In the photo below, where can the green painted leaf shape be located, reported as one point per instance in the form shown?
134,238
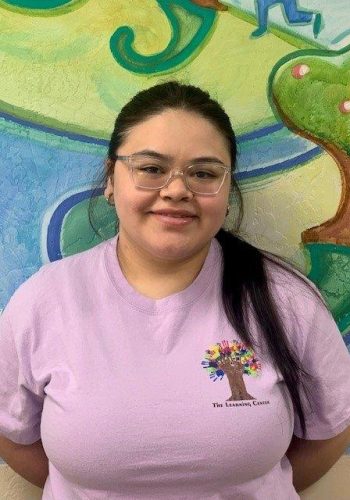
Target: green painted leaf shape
77,234
190,25
311,103
330,271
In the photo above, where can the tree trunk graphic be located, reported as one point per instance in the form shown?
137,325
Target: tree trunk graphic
300,89
234,360
234,371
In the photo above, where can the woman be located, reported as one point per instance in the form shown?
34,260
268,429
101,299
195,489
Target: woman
174,360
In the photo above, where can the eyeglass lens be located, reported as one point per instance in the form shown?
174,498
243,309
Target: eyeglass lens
151,173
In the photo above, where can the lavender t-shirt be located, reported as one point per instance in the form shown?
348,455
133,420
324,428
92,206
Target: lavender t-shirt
134,398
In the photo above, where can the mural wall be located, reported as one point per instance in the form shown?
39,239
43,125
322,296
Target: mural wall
280,68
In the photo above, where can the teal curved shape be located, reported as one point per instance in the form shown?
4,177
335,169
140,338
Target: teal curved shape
190,26
34,4
42,8
330,271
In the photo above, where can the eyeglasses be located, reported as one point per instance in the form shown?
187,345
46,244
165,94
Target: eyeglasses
148,172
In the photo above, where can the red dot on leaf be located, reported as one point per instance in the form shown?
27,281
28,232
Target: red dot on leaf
344,107
300,71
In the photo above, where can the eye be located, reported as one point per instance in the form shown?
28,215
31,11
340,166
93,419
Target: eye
150,169
206,172
203,174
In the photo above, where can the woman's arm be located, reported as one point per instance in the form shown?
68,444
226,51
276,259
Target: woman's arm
311,459
29,461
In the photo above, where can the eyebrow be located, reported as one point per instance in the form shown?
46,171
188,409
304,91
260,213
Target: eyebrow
160,156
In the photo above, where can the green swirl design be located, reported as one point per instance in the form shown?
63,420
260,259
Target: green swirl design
190,25
34,4
43,7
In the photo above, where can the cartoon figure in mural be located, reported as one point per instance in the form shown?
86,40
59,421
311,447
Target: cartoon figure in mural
293,15
310,93
234,360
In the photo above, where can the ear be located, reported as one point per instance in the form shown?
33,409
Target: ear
109,188
109,172
109,166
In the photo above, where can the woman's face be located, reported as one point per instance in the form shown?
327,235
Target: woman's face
183,137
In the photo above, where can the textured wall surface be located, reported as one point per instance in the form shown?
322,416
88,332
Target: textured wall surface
68,66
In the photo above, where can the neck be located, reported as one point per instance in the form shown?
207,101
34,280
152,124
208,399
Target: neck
157,278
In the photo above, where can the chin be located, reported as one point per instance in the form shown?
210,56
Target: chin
173,251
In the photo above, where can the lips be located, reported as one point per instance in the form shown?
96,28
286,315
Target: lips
177,213
174,218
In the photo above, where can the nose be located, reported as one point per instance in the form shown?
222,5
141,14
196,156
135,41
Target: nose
176,187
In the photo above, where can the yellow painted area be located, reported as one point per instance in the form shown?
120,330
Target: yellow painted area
279,208
61,67
235,70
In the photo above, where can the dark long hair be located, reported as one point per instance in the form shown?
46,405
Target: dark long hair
248,281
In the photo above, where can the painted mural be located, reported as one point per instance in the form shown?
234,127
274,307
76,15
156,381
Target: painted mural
280,69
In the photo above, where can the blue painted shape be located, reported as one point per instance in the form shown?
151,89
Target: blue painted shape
54,229
293,14
283,165
34,175
341,36
53,131
260,132
280,149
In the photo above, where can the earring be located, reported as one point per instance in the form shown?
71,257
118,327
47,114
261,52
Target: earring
228,210
108,199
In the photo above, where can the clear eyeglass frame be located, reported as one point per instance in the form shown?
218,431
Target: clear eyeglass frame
128,159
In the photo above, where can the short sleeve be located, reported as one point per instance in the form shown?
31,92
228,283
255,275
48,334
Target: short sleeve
327,359
21,402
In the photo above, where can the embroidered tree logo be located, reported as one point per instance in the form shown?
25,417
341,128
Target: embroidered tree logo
234,360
